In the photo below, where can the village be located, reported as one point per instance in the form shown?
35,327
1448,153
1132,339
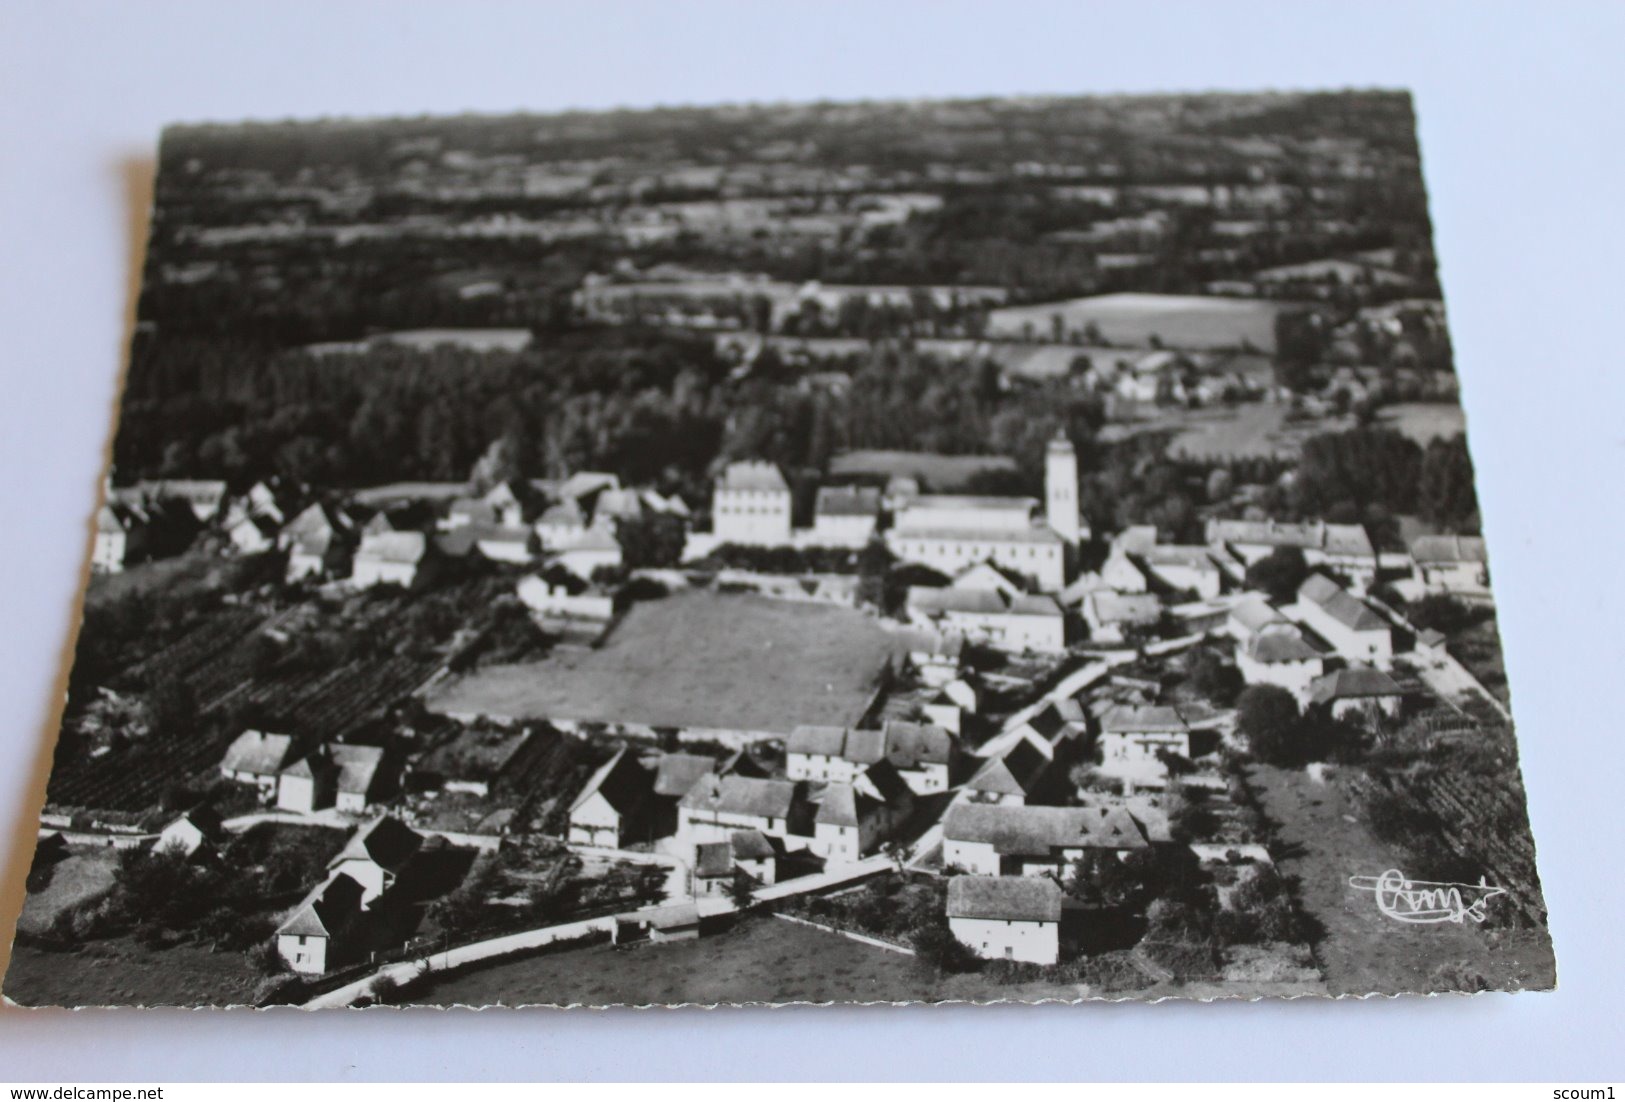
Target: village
1028,715
1026,574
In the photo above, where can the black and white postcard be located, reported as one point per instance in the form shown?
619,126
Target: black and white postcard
980,550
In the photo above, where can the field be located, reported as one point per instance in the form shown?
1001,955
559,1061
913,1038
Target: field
1361,951
696,659
1424,421
194,573
76,879
1178,321
937,473
1250,431
121,973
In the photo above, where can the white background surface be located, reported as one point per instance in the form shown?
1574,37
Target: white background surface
1519,111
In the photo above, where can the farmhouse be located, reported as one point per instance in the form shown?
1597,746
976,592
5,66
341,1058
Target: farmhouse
391,558
854,819
315,936
1000,840
561,525
349,778
565,596
252,533
1357,691
1134,737
845,516
717,806
610,809
1007,917
922,754
319,543
1344,621
1251,616
1111,616
121,537
1344,548
1457,565
204,497
257,758
675,776
1008,621
476,760
198,830
1280,656
751,505
376,854
937,657
1184,569
1020,776
947,709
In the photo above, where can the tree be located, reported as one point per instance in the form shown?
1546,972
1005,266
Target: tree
1213,677
1267,716
1279,574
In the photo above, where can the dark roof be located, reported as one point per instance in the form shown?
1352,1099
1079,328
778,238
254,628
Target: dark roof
738,795
713,859
677,773
847,501
752,845
1135,718
1035,831
822,741
1280,645
910,745
1448,549
1017,773
386,842
329,907
1339,604
1351,683
838,805
1007,898
257,752
620,780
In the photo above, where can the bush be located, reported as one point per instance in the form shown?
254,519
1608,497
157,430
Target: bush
1186,960
936,948
266,960
1115,971
384,990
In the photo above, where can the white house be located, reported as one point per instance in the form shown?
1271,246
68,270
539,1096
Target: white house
751,505
198,829
610,809
121,536
1007,917
845,516
1190,569
937,657
252,533
923,755
1111,616
314,936
318,542
854,818
1344,621
390,558
1003,840
1132,738
258,758
1280,656
1457,565
1012,622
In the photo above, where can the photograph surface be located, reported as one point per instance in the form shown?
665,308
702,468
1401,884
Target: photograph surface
1018,549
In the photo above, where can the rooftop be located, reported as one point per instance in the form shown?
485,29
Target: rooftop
1004,898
